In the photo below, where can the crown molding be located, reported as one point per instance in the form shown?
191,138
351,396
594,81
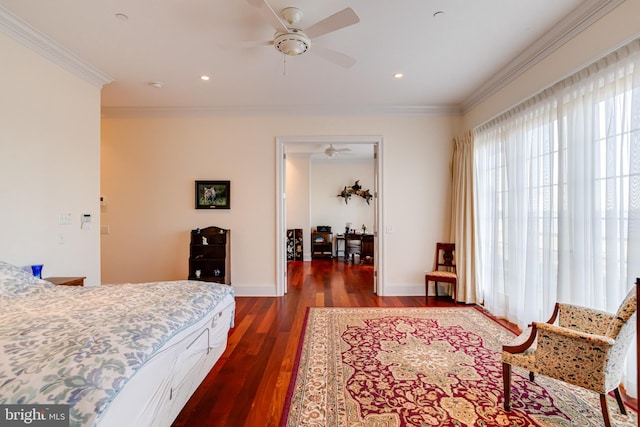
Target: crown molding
24,33
577,21
319,110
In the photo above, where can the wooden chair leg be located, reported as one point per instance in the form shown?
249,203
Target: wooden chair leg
506,382
605,410
623,410
532,377
436,289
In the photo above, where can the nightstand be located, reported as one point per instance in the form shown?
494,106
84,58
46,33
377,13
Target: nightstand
66,281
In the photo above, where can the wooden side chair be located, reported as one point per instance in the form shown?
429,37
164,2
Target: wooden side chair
353,246
585,348
444,269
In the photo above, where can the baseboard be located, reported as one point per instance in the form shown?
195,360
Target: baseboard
267,290
413,290
391,290
403,290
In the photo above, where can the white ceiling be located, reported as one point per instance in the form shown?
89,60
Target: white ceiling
450,61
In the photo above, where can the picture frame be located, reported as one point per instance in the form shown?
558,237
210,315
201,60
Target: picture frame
213,195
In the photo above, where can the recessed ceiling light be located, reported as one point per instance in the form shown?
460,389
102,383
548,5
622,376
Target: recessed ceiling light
157,85
398,75
205,77
122,17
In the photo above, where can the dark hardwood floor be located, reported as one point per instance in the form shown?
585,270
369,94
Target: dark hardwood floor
248,385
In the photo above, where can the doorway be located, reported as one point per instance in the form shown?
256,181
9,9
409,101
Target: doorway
281,149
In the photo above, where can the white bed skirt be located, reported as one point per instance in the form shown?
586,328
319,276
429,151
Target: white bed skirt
156,394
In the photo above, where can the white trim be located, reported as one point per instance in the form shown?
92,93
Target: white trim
577,21
24,33
255,291
415,290
281,232
281,256
292,110
406,289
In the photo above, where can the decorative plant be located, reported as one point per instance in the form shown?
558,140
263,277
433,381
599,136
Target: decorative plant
346,193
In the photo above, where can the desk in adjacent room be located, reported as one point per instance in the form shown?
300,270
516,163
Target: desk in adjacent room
359,243
340,245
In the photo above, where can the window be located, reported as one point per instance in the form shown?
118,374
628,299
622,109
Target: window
558,194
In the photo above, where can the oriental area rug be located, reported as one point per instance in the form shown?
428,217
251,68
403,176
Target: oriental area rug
387,367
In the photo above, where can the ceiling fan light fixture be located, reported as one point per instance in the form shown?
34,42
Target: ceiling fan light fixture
292,15
292,44
293,40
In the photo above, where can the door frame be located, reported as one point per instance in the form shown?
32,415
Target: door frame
281,229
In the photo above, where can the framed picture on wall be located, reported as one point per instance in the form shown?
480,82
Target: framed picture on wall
213,194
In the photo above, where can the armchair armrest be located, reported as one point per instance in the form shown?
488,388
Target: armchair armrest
560,350
527,339
523,342
554,333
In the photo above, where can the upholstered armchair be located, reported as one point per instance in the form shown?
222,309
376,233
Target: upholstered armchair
585,348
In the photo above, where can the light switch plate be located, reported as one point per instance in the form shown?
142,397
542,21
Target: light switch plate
64,218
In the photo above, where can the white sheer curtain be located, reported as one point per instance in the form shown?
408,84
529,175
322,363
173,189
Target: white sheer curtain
558,195
517,215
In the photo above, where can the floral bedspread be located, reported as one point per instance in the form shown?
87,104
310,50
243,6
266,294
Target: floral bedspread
79,346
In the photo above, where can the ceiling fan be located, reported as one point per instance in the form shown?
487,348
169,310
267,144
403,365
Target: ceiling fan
331,151
292,40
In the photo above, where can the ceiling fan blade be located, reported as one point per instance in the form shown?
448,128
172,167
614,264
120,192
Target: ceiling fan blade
331,55
332,151
248,44
337,21
273,17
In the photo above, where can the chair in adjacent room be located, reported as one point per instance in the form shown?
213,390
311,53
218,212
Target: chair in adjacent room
585,348
353,247
444,269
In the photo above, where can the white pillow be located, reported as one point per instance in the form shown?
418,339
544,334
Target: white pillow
15,280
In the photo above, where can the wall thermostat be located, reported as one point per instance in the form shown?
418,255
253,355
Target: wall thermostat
85,221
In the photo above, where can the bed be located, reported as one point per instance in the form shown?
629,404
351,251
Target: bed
118,355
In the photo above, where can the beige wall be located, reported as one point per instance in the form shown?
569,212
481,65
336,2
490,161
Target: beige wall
49,164
328,178
615,29
149,165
